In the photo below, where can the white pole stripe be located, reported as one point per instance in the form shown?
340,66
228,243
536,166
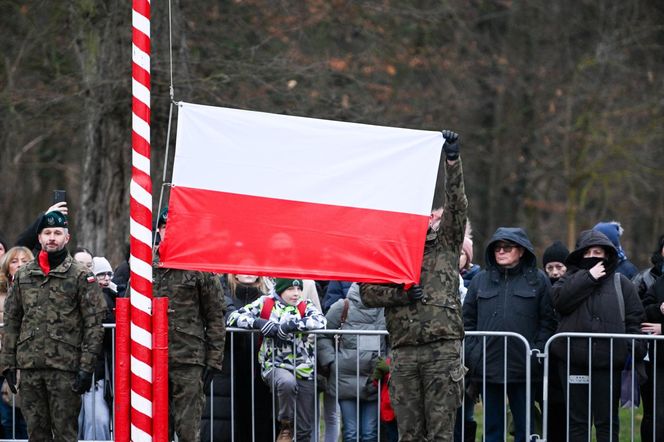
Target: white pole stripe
140,92
141,162
140,267
140,232
141,302
140,58
138,435
140,195
140,22
141,369
141,404
141,336
141,127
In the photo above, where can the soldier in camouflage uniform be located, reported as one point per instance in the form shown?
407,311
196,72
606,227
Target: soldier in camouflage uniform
196,334
53,334
425,322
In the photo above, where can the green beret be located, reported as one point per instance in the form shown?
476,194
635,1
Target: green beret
163,217
281,284
52,219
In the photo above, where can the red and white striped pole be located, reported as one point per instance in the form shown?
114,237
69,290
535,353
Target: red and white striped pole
140,229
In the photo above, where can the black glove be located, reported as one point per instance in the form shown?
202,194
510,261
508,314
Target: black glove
268,329
208,374
286,328
10,375
82,383
452,144
415,293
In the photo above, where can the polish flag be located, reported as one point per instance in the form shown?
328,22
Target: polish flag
265,194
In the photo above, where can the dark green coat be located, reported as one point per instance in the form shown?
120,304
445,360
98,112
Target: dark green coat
53,321
438,315
196,308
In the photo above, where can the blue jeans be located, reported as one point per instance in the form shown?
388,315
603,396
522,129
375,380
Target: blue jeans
494,404
368,427
6,417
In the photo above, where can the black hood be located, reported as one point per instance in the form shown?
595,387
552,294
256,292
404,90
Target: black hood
516,235
593,238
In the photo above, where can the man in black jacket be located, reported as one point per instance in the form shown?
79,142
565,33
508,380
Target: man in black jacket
510,295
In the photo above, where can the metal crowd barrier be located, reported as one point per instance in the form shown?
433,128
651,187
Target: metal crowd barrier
544,357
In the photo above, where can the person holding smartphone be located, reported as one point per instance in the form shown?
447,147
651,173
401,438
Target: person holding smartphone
28,238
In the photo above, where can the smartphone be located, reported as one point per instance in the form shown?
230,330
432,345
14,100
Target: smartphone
59,196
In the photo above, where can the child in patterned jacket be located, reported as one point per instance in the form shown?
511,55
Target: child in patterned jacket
287,356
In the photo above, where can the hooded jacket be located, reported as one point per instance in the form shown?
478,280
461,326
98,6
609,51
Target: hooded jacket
507,300
353,370
586,304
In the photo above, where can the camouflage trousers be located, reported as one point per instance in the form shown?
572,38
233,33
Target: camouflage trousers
49,405
425,389
186,401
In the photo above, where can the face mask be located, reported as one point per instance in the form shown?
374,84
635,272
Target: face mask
589,263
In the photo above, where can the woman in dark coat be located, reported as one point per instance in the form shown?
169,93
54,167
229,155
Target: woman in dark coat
653,303
239,353
587,300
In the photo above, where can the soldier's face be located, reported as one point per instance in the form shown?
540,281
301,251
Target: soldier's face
53,239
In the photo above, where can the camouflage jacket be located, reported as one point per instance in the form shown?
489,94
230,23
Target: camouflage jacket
55,320
196,309
302,345
438,315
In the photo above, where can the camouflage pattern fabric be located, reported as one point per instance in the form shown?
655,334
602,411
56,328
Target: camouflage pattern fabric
53,321
186,401
426,389
427,373
196,309
50,407
438,315
196,337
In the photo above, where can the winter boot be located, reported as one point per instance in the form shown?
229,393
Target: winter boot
286,433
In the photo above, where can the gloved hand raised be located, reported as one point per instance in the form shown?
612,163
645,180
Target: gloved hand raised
208,375
286,328
82,383
10,376
415,293
268,329
452,145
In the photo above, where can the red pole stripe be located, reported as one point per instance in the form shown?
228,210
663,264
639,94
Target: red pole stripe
142,405
122,361
160,368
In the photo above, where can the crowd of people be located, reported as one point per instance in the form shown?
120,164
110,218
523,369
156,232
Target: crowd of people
408,385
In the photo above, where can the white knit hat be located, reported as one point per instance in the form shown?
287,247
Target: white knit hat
101,265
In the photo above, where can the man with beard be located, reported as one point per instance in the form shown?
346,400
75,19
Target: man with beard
424,321
590,298
53,334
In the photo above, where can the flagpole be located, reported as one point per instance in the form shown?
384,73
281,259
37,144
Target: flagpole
140,229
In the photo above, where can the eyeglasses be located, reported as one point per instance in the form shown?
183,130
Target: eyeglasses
506,248
103,274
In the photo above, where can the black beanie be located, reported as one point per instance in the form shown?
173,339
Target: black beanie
556,252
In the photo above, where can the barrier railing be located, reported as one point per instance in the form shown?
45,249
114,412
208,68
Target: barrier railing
371,341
